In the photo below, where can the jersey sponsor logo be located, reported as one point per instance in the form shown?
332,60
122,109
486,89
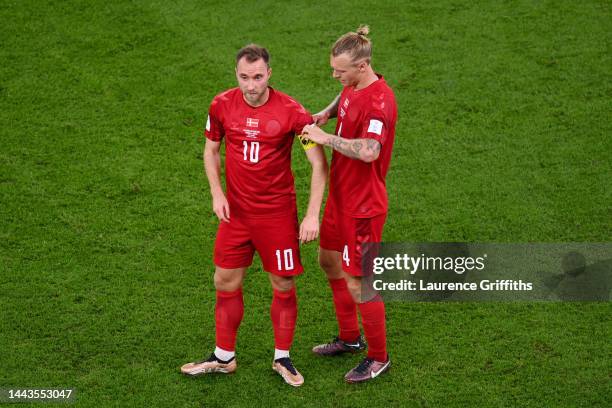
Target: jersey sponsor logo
375,127
346,102
208,123
342,113
250,122
252,134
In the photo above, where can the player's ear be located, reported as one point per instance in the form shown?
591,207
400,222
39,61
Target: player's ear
269,72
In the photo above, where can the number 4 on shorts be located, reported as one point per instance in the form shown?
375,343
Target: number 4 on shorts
345,256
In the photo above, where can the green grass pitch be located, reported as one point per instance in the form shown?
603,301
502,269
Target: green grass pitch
106,228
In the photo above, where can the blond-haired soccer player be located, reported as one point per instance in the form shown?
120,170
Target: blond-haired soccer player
258,211
356,209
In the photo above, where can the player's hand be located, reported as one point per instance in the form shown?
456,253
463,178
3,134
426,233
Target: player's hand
315,133
221,207
320,118
309,229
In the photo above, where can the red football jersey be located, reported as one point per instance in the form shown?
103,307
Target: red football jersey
258,142
370,113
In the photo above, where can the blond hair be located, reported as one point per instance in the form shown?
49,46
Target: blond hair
356,44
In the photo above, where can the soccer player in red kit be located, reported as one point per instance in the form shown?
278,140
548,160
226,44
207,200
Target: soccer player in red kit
259,211
356,209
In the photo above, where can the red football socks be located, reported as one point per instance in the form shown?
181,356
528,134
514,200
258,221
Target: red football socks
346,310
373,320
228,315
283,312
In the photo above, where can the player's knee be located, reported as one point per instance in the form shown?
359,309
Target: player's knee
325,262
282,283
226,282
330,264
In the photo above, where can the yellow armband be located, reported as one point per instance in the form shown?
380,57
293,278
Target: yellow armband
306,144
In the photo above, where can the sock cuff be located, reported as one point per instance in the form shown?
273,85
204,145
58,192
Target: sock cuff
284,295
373,304
223,294
375,300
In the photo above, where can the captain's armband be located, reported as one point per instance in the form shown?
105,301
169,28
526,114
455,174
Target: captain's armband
306,144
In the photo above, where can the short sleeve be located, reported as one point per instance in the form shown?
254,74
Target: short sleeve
214,127
376,123
301,118
375,128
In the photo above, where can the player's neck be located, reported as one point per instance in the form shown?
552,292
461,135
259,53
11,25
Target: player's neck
261,101
368,79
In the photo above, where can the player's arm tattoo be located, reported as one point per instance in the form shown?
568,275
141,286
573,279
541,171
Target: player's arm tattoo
361,149
344,146
356,147
373,146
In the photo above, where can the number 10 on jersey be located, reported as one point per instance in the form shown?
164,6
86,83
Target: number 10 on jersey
287,257
250,151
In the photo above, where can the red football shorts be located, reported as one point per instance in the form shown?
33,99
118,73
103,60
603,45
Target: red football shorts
347,235
274,239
